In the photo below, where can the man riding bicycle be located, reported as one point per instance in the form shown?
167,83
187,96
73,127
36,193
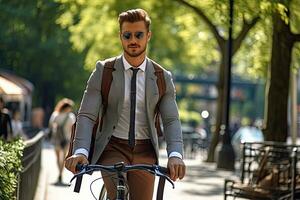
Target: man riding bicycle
127,131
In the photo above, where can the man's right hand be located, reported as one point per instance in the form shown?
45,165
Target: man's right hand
72,161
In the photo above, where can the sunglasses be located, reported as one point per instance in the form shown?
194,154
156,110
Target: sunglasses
138,35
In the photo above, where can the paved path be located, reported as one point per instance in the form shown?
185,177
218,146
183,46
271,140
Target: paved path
202,182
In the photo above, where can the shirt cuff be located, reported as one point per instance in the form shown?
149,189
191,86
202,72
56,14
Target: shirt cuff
82,151
175,154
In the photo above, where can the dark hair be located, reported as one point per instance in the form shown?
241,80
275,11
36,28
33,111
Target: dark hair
135,15
63,104
2,100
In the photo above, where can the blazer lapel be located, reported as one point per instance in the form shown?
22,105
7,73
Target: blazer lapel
118,83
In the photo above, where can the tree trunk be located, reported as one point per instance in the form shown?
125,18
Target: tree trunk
293,107
276,128
220,108
47,100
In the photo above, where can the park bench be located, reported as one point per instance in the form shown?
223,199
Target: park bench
268,171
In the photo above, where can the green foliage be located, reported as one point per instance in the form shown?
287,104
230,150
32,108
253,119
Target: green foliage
254,56
35,47
187,113
56,43
192,118
181,40
255,62
176,41
10,167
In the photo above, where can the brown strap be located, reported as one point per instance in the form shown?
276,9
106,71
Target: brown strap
70,151
105,85
91,151
161,84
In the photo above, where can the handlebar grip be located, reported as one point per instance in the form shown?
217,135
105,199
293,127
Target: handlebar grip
164,170
79,167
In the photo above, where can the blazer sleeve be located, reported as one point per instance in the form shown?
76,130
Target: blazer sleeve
89,109
170,117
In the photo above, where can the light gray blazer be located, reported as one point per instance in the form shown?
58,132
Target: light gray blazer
91,108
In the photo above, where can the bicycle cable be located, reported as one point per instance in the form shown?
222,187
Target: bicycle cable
109,176
91,189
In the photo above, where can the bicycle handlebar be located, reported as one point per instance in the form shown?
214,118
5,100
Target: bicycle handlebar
121,167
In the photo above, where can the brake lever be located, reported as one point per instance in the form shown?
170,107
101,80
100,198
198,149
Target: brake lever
165,176
83,171
77,175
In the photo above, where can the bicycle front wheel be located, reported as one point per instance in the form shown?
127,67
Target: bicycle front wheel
103,193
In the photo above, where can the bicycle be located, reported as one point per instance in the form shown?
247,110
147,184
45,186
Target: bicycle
121,168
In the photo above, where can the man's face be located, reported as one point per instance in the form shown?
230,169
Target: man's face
134,38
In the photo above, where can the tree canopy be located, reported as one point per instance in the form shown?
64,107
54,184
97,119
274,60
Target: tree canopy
56,43
34,46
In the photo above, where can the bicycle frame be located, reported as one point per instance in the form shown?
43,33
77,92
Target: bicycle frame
121,189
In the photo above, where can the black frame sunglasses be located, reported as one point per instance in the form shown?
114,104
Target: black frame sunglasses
128,35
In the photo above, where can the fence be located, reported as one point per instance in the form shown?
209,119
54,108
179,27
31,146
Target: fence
31,162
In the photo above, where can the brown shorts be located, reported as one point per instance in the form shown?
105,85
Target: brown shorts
141,183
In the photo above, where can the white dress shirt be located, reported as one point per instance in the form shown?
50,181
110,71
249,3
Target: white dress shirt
141,128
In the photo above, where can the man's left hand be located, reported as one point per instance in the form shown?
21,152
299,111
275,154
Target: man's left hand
176,167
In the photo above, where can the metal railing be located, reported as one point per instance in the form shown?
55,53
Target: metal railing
31,162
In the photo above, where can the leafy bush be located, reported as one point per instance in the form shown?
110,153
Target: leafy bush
10,166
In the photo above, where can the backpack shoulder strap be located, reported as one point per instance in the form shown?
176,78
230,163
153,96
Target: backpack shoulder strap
106,80
161,84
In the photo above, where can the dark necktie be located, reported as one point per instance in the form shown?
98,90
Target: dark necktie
131,134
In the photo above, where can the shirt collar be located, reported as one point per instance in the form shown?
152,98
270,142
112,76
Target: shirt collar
128,66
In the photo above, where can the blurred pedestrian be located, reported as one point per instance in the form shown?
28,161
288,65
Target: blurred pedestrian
37,118
17,128
60,123
5,122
